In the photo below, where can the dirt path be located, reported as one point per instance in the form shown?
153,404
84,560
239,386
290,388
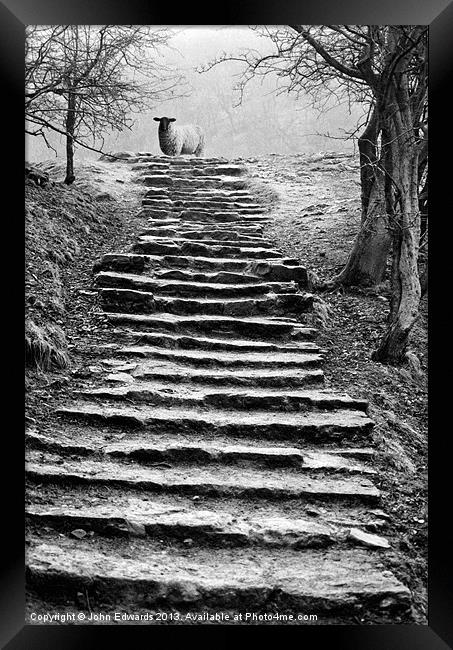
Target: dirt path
199,463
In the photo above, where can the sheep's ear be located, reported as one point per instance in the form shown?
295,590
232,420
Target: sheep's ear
172,119
156,119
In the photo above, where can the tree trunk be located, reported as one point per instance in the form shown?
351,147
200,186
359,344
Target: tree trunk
405,299
368,160
423,207
423,178
402,168
367,261
424,280
70,125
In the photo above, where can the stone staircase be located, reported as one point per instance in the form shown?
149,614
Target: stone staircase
209,469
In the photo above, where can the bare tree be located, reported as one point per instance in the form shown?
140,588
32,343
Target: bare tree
82,81
385,69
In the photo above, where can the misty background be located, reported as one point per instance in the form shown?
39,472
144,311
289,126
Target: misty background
269,120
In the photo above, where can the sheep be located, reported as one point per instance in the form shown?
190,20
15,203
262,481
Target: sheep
177,140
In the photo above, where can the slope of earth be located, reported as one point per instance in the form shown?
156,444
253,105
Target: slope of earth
66,227
316,210
191,457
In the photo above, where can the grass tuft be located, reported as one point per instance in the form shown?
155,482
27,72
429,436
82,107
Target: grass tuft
263,193
45,346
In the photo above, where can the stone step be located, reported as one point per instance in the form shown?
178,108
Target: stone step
153,167
204,343
174,161
159,199
202,218
151,170
176,448
207,213
247,212
134,301
196,239
143,518
205,269
228,198
336,584
171,198
220,221
165,200
243,196
163,197
177,161
203,232
308,358
324,426
163,394
291,273
174,181
215,480
335,515
150,246
204,205
212,234
183,288
258,376
245,327
247,223
204,526
198,220
202,170
195,172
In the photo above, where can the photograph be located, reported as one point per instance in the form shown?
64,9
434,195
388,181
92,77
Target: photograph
226,325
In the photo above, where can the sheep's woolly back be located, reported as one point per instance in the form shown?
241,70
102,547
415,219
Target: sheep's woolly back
184,139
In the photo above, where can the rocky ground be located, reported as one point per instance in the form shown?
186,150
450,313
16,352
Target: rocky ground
316,213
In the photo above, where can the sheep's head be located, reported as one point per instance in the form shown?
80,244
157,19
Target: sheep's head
164,122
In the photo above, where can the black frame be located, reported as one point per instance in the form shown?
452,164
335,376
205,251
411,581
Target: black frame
14,15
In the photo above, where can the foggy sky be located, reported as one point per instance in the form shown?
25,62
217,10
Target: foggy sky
264,123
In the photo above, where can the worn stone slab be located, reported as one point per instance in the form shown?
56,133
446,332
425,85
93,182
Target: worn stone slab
263,272
226,359
307,426
211,480
207,233
254,327
328,582
150,246
259,377
220,196
165,370
145,302
232,397
203,526
242,242
276,270
187,288
176,448
186,342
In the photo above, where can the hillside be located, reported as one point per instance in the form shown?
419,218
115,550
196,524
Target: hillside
316,213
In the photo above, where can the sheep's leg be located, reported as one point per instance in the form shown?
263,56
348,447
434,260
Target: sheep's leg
199,151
